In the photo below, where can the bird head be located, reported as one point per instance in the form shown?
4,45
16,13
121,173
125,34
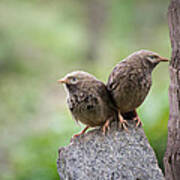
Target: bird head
76,79
150,59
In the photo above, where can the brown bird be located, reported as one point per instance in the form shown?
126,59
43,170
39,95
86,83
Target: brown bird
88,100
130,82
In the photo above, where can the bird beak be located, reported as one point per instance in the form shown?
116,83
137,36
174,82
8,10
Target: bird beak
163,59
62,81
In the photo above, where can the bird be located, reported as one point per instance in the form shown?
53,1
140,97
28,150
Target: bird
88,100
130,81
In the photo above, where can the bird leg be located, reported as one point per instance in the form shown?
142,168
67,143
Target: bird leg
82,132
136,118
105,126
122,121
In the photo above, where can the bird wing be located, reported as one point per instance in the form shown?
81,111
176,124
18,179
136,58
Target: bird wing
118,74
105,95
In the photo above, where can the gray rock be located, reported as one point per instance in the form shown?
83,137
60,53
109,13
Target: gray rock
118,155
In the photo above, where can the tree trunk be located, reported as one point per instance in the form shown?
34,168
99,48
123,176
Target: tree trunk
172,155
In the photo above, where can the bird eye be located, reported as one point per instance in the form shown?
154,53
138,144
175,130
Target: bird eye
73,79
152,57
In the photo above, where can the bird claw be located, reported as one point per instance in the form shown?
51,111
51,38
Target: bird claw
75,136
105,127
123,122
124,125
138,123
79,134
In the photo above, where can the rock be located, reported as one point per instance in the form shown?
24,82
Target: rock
118,155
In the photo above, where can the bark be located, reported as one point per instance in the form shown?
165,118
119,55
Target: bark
172,155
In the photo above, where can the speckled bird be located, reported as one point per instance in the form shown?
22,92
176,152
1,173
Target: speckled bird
88,100
130,82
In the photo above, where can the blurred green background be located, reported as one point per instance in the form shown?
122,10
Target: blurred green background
41,41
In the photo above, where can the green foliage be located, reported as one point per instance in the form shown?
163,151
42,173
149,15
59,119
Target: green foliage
43,40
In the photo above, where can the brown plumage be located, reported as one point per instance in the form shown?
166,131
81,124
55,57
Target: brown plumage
88,100
130,81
